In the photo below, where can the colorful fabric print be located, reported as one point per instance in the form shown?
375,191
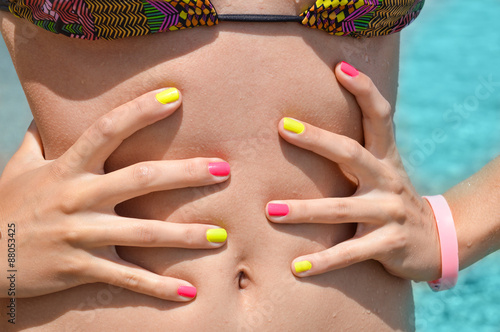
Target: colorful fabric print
112,19
362,18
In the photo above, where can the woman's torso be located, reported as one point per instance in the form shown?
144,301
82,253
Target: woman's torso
238,80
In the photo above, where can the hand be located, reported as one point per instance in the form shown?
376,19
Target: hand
395,226
60,214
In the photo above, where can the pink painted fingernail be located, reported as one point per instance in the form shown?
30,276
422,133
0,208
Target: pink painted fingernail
277,210
348,69
186,291
219,169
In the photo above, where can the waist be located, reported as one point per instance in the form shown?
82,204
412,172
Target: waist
237,83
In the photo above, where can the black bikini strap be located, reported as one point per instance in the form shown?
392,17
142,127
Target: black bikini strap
259,18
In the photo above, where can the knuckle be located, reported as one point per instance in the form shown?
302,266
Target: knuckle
351,149
143,174
382,110
73,236
367,88
346,256
339,209
396,209
398,187
80,150
69,202
191,169
75,267
385,111
396,239
322,257
146,234
394,182
105,126
189,237
137,107
129,280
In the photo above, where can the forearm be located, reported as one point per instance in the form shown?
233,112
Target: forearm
476,211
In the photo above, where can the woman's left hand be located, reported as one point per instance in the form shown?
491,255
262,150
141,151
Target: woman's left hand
395,226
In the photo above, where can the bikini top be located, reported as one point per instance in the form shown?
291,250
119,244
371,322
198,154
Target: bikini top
112,19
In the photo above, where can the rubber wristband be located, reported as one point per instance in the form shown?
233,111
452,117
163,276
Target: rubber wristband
448,242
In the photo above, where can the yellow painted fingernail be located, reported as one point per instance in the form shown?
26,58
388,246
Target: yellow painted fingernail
216,235
168,96
293,125
302,266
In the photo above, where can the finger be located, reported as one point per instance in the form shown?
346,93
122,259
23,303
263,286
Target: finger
136,279
327,211
103,137
338,148
377,112
154,233
147,177
341,255
30,153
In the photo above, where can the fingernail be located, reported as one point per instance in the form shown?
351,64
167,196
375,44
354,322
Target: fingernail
302,266
293,125
216,235
219,169
277,210
168,96
348,69
186,291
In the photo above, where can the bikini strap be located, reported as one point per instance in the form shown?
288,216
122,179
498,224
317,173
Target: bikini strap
259,18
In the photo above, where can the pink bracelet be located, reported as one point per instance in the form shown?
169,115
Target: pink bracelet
448,241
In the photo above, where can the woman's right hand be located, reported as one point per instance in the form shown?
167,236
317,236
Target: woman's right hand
57,219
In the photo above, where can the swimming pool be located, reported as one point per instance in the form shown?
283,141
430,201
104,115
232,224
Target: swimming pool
452,49
445,56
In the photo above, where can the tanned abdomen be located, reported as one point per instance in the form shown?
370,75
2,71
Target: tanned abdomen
237,81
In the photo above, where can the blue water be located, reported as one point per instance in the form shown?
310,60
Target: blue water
15,115
448,127
446,56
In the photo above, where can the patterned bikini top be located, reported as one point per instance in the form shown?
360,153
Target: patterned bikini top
112,19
